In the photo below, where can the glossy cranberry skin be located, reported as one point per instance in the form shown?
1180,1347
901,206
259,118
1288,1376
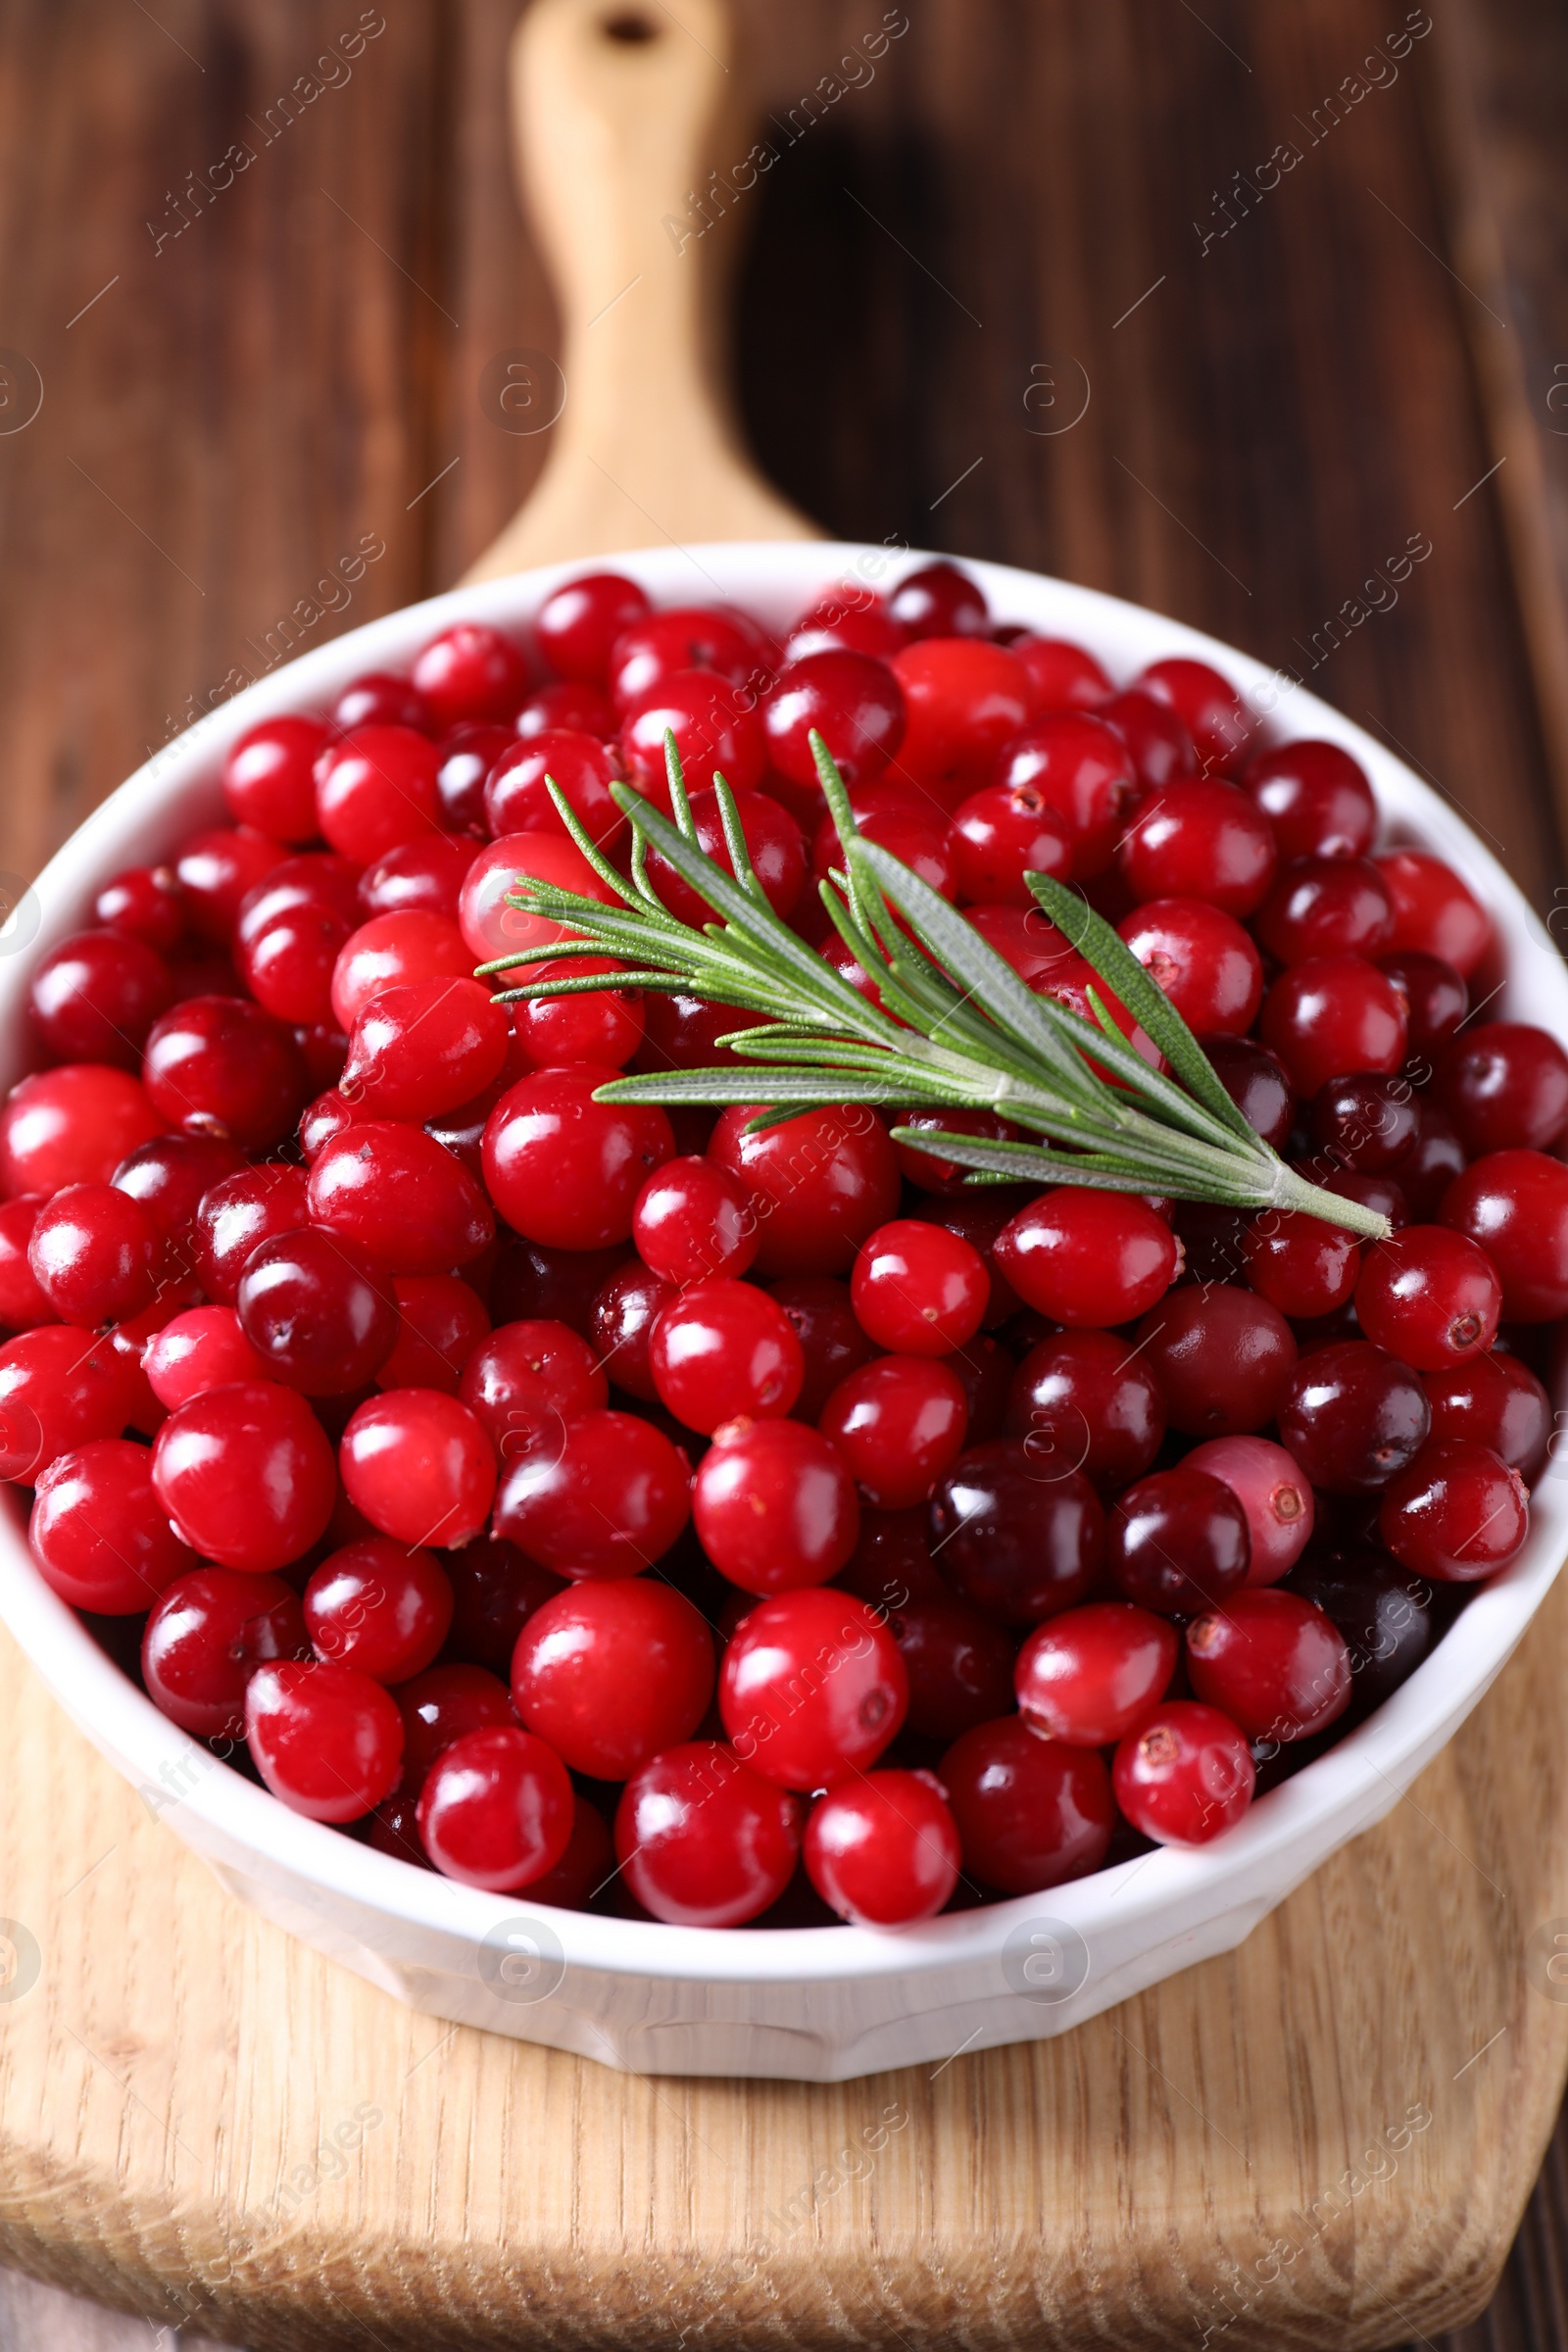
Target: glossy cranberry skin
1384,1612
1177,1541
1201,839
918,1290
568,707
491,928
910,826
143,902
1456,1514
1326,907
94,1252
376,789
1515,1206
723,1349
1316,798
1158,741
604,1496
1092,1675
578,624
622,1323
440,1323
1429,1297
702,1839
1493,1400
530,1283
516,792
288,965
849,619
1032,1813
220,1066
393,951
216,869
820,1183
1003,833
423,1049
939,601
496,1809
1080,767
1185,1776
1433,912
1065,676
320,1314
1254,1080
774,1506
1504,1087
693,1220
99,1531
716,640
1300,1264
23,1305
1202,959
900,1423
1273,1662
246,1475
525,1377
95,997
964,698
1368,1121
495,1592
1222,1358
203,1348
60,1388
1435,1159
832,1342
611,1675
393,1192
442,1705
236,1214
269,777
471,672
812,1688
380,699
380,1608
565,1170
773,842
1353,1417
207,1635
1273,1492
1016,1546
1330,1015
419,1466
425,874
854,702
601,1026
72,1125
1219,722
716,729
885,1852
1088,1258
326,1739
1084,1401
1436,999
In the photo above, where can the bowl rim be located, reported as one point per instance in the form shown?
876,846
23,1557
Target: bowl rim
227,1811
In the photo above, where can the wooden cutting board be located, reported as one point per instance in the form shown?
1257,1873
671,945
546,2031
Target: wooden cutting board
1324,2140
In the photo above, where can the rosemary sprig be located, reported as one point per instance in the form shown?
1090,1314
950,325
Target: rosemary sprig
956,1024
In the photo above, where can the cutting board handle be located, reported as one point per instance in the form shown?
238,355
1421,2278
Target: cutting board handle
620,111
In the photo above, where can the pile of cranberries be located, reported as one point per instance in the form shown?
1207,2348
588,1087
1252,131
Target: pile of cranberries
721,1526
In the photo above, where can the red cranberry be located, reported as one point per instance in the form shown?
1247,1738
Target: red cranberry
716,639
1201,839
1177,1541
1019,1546
849,619
565,1170
1202,959
1273,1492
216,1066
1367,1122
622,1326
1515,1206
442,1705
1089,1257
393,1192
23,1305
440,1323
1505,1087
424,875
375,789
964,699
246,1476
852,701
73,1125
1092,1675
917,1289
470,672
611,1675
693,1220
236,1214
1330,1015
1457,1513
60,1388
393,951
94,1252
568,707
1222,1358
516,795
723,1349
1273,1662
812,1689
900,1423
269,777
1082,768
912,830
201,1350
886,1851
939,601
1065,676
380,1608
491,929
320,1314
578,624
216,869
959,1663
1326,907
205,1639
105,1484
716,728
1002,834
703,1840
1353,1417
1316,798
467,755
604,1496
1158,741
774,1506
1256,1081
495,1592
526,1378
1437,1000
934,1173
143,902
820,1183
326,1739
1435,1159
1493,1400
419,1466
1299,1263
95,997
496,1809
601,1026
423,1049
1185,1776
288,965
1086,1401
379,699
1429,1297
1032,1813
1434,912
532,1284
1218,720
773,843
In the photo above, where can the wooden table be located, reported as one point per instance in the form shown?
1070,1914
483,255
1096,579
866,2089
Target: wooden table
260,294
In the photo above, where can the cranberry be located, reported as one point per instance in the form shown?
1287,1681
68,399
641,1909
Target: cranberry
1367,1122
820,1183
105,1484
1177,1541
773,843
419,1465
207,1635
1353,1417
603,1496
1065,676
1080,767
1222,1358
60,1389
722,1348
444,1705
900,1423
423,1049
94,1252
532,1284
72,1125
578,624
959,1663
892,1565
1326,907
850,618
622,1326
601,1026
1017,1546
201,1350
1003,834
467,755
245,1474
917,1289
703,1840
525,1379
1515,1206
680,1032
424,875
716,640
934,1173
1457,1513
565,1170
320,1314
1383,1611
1256,1081
375,789
774,1506
964,699
568,709
1092,1675
716,727
1218,720
1435,1159
886,1851
1429,1297
1201,839
326,1739
1273,1662
1379,1192
393,1192
1158,741
1086,1401
95,997
236,1214
471,672
1330,1015
495,1592
440,1323
393,951
216,869
913,830
1434,912
1437,1000
1316,798
220,1066
1493,1400
1202,959
1185,1776
496,1809
144,902
812,1689
1032,1813
1505,1087
1089,1257
491,928
1273,1492
939,601
1299,1263
852,701
380,699
269,777
516,795
692,1220
288,965
611,1675
832,1342
380,1608
23,1305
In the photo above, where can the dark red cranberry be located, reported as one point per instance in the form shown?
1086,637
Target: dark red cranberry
773,843
1221,726
444,1705
604,1496
380,1608
392,1190
1316,798
378,699
1332,1015
216,869
716,728
531,1283
1032,1813
960,1665
1493,1400
1082,768
1178,1541
1368,1121
320,1314
1436,998
939,601
820,1183
1201,839
1515,1206
832,1343
238,1212
495,1591
1383,1611
1504,1087
143,902
1156,737
1353,1417
220,1066
1430,1297
1303,1265
621,1326
1435,912
578,624
1065,676
900,1422
426,874
1435,1159
1254,1080
1222,1356
1086,1401
1325,907
1274,1662
207,1635
467,755
568,705
1457,1513
1017,1545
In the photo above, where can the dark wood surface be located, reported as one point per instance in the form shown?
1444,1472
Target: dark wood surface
1028,200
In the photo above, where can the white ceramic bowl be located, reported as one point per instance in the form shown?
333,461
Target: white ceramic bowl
821,2004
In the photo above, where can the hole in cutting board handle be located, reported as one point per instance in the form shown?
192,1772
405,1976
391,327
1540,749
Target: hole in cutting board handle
630,29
